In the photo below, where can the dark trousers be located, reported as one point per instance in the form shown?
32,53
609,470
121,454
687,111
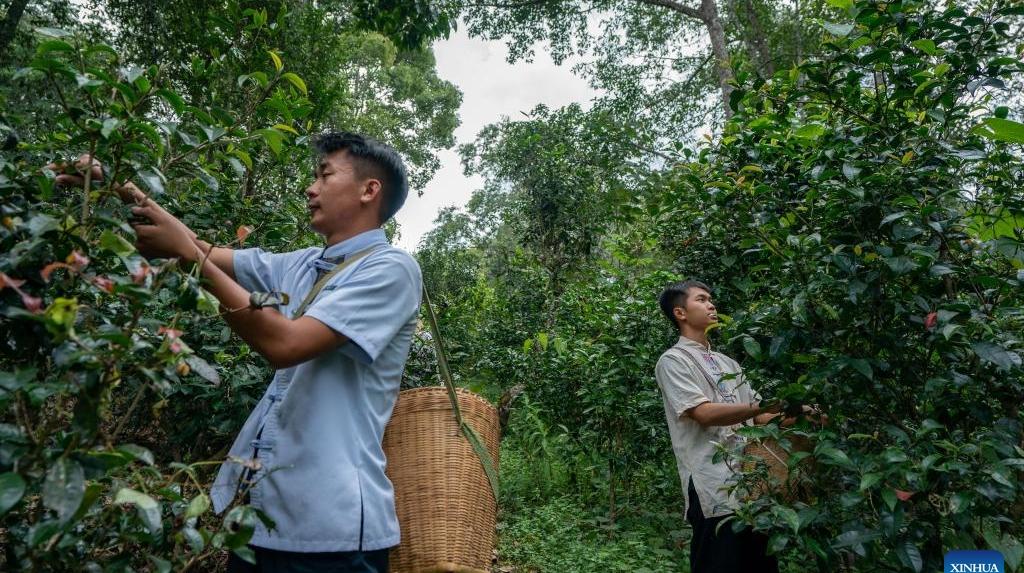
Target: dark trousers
715,549
273,561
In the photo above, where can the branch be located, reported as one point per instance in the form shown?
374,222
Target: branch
509,4
664,156
676,6
9,26
697,72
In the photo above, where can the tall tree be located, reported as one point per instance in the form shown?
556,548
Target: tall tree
707,14
660,58
9,24
563,172
383,85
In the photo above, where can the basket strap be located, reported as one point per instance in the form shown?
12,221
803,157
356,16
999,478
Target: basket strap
446,376
322,282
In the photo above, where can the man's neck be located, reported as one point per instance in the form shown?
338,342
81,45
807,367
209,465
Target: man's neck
698,336
344,235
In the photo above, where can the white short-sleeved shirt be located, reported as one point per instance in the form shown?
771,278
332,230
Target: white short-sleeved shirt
685,373
318,429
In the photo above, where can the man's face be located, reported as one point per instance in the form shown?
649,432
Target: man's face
338,193
699,311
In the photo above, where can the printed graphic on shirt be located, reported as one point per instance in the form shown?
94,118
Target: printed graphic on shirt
728,396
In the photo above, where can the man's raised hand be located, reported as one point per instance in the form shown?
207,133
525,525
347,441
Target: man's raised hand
73,175
158,233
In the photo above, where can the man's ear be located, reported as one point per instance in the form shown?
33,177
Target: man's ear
372,190
679,313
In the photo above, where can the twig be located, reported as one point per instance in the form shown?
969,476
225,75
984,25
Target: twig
128,414
88,183
22,413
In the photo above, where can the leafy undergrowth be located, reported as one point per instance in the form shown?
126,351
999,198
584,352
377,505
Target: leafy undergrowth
549,524
563,535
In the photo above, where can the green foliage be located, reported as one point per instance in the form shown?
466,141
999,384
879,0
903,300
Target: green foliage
93,328
120,388
559,536
410,24
860,222
561,172
842,203
538,468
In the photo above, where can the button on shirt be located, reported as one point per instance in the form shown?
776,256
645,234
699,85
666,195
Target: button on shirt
689,375
318,429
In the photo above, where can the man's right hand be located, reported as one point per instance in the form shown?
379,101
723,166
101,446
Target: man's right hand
74,176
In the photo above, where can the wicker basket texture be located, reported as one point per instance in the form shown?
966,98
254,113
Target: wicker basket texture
775,458
446,509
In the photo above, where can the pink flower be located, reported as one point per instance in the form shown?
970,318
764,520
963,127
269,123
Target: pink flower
104,283
33,304
6,281
170,332
139,275
242,232
77,260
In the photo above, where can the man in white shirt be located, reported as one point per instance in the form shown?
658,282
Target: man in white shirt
706,399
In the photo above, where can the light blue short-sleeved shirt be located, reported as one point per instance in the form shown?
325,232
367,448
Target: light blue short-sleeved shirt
318,429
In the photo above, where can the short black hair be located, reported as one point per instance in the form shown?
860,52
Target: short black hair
371,158
675,295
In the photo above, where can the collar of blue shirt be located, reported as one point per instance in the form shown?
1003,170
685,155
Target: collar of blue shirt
337,253
355,244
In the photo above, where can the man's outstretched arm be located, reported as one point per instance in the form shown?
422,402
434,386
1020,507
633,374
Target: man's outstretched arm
282,341
715,414
73,175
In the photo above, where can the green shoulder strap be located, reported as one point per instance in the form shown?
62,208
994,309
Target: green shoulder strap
442,365
446,377
320,284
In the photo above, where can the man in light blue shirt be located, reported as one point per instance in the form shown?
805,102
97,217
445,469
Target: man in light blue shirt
316,464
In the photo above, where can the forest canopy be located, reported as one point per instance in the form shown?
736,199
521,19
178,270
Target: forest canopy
857,206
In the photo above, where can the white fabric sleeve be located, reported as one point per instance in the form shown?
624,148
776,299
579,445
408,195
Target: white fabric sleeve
681,384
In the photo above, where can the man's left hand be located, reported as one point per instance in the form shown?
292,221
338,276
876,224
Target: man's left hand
815,415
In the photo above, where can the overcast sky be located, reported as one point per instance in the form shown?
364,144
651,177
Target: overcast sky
491,88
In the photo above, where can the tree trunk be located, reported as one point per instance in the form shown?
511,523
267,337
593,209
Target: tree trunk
611,497
708,15
747,20
756,41
720,50
9,26
799,37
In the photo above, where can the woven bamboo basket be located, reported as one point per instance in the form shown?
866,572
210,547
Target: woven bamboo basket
446,508
776,460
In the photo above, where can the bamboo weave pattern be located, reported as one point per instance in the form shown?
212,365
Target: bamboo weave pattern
446,508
